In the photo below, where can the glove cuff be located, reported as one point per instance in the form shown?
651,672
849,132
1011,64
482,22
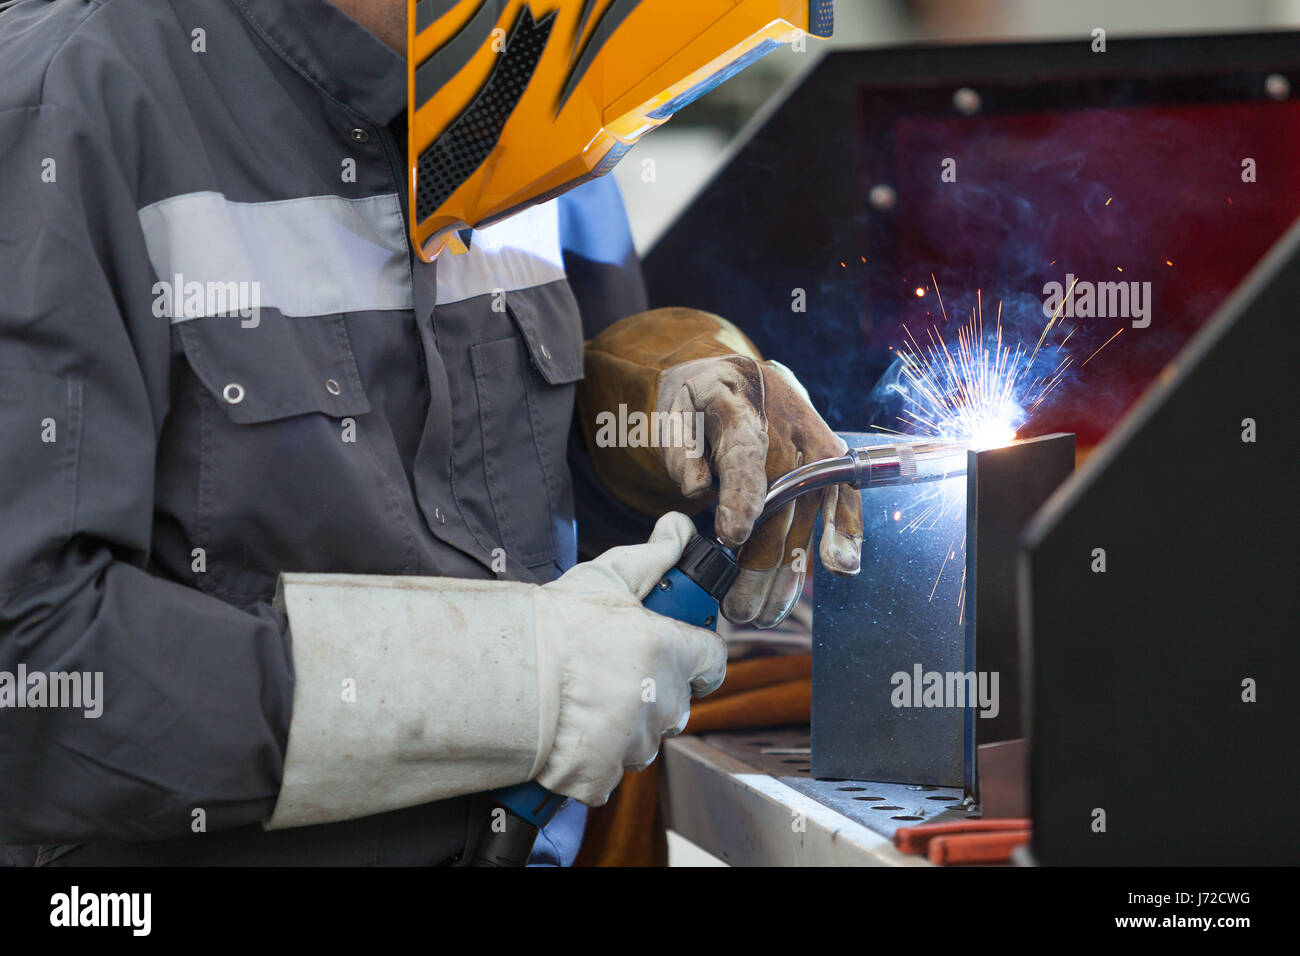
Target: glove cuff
406,690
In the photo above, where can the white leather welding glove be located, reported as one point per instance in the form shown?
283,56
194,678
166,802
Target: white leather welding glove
414,689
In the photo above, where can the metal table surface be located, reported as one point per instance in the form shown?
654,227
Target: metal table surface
748,798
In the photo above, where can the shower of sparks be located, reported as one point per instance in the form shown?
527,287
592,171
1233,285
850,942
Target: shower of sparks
978,388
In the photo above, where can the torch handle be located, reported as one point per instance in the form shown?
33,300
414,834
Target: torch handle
689,592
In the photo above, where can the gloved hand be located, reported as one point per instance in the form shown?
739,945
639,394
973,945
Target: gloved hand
620,677
758,423
452,687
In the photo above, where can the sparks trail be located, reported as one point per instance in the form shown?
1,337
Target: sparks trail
1103,345
978,389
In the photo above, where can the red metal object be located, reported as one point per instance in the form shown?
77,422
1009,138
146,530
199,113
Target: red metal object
964,841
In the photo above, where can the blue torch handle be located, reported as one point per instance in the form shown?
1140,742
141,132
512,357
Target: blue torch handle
680,598
531,802
675,596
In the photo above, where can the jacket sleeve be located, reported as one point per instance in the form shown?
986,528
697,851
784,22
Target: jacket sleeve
600,259
184,700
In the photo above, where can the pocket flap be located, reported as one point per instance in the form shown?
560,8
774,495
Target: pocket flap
279,368
551,326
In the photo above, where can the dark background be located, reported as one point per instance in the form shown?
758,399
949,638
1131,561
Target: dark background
1157,126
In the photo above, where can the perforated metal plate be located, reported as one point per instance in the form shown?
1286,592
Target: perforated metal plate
883,807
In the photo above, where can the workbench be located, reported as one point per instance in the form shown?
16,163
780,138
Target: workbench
748,798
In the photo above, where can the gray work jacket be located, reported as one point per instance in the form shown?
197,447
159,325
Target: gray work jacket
166,163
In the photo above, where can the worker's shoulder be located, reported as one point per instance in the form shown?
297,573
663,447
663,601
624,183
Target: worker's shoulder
65,52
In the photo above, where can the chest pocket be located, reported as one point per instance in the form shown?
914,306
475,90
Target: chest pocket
525,390
288,476
279,368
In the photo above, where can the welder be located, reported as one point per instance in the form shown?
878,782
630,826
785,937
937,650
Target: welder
319,539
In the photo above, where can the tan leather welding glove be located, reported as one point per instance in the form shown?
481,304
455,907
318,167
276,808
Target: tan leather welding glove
653,382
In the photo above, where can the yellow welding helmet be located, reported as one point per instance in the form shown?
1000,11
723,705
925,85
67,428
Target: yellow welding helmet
512,102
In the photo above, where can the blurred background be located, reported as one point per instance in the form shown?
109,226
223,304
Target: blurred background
688,150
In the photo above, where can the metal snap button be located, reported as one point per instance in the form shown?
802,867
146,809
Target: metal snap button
332,387
360,136
233,393
546,353
442,518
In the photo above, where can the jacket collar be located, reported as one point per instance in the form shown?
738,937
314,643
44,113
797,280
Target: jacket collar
334,52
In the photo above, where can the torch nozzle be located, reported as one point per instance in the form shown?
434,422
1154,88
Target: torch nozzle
908,462
871,466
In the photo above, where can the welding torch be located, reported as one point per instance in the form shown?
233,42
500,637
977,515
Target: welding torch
693,590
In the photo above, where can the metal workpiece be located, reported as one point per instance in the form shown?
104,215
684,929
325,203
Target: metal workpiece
915,659
901,610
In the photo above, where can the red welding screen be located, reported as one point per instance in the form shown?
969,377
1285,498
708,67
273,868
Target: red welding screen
1158,195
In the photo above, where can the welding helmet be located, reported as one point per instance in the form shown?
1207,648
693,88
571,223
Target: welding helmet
513,102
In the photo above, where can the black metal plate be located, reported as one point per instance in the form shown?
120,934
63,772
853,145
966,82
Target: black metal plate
1004,487
1137,708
